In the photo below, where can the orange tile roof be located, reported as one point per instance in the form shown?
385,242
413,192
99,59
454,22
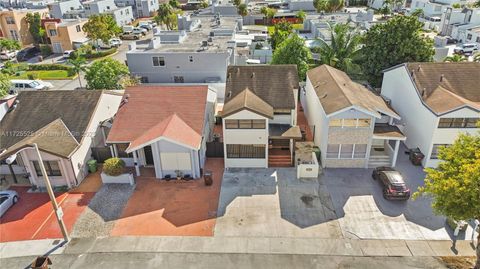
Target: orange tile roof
147,107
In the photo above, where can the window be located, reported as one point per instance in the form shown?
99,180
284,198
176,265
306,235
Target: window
458,122
335,123
350,123
79,29
469,36
360,151
246,151
52,32
245,124
10,20
14,35
158,61
346,151
478,39
178,79
435,150
52,167
332,151
190,59
363,123
121,151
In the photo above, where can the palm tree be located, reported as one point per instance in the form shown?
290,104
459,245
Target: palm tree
242,10
78,65
301,15
164,14
476,58
328,6
343,50
455,59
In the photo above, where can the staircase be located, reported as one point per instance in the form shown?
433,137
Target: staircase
280,160
379,160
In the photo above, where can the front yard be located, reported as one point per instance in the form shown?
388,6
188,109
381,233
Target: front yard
39,71
44,75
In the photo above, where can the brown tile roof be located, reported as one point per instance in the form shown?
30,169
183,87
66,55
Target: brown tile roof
37,109
388,131
148,106
249,101
447,86
272,83
336,91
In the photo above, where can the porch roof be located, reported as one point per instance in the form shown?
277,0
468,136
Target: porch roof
284,131
388,132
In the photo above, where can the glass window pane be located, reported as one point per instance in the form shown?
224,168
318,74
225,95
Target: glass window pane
335,123
121,151
332,150
258,124
346,151
445,123
363,122
155,61
36,166
54,168
349,122
458,123
231,124
471,123
360,151
245,124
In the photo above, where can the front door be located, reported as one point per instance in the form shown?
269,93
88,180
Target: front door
148,155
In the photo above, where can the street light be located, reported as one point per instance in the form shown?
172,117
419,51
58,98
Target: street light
58,210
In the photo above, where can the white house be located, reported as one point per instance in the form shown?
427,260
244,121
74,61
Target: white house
352,126
165,128
64,125
260,115
437,102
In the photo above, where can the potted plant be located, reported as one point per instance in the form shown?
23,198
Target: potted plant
179,174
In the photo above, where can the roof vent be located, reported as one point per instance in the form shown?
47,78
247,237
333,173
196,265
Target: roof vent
124,100
13,106
419,68
424,92
253,75
229,94
442,77
323,96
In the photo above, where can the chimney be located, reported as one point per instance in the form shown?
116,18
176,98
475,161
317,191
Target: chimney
154,43
132,46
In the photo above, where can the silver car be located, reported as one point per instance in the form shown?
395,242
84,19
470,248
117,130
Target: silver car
7,199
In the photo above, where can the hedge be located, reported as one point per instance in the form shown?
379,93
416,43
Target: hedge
38,67
114,166
100,54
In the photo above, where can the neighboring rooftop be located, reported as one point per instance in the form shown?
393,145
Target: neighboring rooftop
71,22
249,101
447,86
274,84
336,91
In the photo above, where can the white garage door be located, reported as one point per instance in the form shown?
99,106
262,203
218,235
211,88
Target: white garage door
176,161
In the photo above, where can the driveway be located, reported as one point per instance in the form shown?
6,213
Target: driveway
273,203
32,217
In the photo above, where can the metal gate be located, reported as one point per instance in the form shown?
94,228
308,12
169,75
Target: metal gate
101,154
214,149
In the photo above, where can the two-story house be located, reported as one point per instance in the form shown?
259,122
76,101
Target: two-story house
66,35
259,115
13,24
437,102
352,126
122,15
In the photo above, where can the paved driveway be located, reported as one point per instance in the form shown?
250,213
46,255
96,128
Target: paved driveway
273,203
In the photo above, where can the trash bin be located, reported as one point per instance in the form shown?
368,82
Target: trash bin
41,262
316,150
92,166
207,177
416,156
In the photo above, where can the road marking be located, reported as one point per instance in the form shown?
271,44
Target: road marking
50,215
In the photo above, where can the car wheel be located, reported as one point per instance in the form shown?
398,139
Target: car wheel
15,199
385,196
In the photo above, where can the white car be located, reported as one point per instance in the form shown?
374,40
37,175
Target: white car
8,55
466,48
114,42
7,199
67,54
138,30
29,85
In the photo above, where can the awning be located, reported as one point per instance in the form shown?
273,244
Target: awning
284,131
388,132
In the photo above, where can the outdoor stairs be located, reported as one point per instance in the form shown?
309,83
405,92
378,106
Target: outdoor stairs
279,160
379,160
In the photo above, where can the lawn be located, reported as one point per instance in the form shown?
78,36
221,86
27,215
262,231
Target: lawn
297,26
44,74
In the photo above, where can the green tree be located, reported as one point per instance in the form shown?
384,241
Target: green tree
385,9
393,5
281,31
454,185
328,6
293,51
301,15
102,27
397,41
5,84
204,4
417,13
268,14
477,4
174,3
105,74
456,58
78,64
476,58
164,15
242,10
237,2
34,21
456,5
9,44
343,49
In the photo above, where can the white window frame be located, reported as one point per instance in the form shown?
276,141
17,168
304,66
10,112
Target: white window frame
164,63
352,157
356,123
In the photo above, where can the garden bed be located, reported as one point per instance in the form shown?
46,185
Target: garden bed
40,71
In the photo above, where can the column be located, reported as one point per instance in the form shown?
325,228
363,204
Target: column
395,153
135,162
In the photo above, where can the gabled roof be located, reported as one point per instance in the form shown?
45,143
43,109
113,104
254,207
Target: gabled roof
35,110
249,101
272,83
336,92
171,128
444,87
147,111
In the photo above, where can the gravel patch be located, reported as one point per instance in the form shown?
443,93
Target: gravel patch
105,207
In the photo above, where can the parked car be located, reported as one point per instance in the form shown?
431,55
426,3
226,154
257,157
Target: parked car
7,199
467,48
8,55
114,42
138,30
67,54
29,85
28,53
130,36
451,40
393,184
145,25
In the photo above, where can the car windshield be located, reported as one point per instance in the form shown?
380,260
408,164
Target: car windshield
3,199
34,84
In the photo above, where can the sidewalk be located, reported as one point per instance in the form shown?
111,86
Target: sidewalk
235,245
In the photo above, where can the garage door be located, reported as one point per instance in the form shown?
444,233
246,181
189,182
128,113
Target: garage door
176,161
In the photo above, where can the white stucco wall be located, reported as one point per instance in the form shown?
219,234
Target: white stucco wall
245,136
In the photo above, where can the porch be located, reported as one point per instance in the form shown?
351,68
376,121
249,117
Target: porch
281,142
385,145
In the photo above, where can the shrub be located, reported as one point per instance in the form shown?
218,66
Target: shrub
36,67
45,50
114,167
100,54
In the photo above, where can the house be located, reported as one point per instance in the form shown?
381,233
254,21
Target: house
122,15
352,126
13,24
437,102
64,125
141,8
259,115
69,9
5,103
453,18
66,35
165,128
198,52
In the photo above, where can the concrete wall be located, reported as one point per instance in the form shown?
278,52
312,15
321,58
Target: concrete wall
305,5
123,15
346,163
58,9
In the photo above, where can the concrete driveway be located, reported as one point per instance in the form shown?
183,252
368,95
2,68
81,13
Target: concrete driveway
273,203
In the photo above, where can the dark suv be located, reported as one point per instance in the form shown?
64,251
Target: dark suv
394,187
27,54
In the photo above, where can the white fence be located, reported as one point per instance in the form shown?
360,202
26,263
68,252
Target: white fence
121,179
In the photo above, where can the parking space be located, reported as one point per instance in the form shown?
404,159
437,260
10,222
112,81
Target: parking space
32,217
